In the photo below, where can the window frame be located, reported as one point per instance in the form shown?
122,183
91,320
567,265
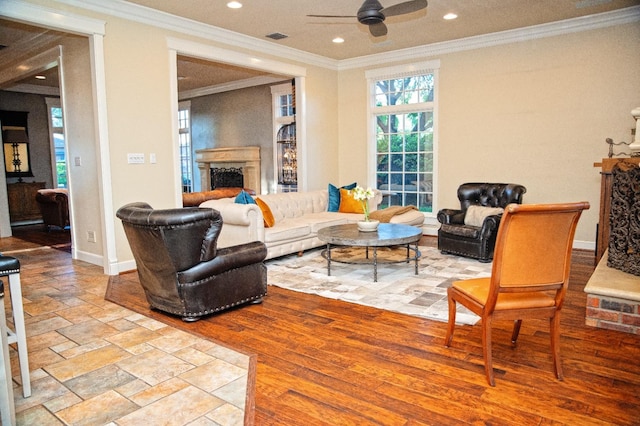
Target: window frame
279,120
396,72
57,103
185,159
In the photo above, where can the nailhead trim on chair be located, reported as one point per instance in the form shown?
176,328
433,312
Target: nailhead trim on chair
212,311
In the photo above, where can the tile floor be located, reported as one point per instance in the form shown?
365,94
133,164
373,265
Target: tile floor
93,362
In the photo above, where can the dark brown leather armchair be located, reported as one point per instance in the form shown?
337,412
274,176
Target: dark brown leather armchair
180,267
459,235
54,206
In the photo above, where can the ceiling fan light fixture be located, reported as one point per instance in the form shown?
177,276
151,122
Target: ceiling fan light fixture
370,13
450,16
234,5
338,40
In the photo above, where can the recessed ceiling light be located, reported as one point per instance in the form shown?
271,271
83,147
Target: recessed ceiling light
338,40
40,77
450,16
234,5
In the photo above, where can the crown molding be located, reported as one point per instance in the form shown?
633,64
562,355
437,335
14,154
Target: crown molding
153,17
227,87
24,11
585,23
51,18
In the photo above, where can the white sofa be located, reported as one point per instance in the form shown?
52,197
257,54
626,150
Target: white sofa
298,217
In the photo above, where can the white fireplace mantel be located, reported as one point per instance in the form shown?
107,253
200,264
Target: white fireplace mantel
246,158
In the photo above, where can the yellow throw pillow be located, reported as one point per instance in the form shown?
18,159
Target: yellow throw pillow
348,204
267,215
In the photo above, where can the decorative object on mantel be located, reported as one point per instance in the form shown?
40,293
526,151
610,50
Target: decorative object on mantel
611,145
634,147
624,219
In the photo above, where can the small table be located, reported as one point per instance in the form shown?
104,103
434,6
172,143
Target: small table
388,234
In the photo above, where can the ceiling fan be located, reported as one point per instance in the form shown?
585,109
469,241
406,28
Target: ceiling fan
373,14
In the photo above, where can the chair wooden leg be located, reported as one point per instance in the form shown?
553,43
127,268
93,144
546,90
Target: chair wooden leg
555,345
7,404
452,319
516,331
486,350
20,332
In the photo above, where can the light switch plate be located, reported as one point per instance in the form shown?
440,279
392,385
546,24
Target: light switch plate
135,158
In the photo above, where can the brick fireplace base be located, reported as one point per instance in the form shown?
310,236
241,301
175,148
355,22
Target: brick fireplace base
613,299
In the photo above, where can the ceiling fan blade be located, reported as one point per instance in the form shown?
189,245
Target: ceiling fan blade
406,7
378,30
331,16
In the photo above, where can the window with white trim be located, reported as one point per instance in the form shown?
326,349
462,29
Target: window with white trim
58,148
403,140
284,114
184,140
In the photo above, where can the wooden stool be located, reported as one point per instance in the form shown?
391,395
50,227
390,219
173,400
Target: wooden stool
7,405
10,267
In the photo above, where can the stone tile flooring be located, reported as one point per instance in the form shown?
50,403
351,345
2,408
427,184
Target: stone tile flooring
93,362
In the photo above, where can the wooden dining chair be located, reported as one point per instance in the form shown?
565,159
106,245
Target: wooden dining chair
529,277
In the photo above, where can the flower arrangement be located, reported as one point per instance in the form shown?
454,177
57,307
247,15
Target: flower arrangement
363,195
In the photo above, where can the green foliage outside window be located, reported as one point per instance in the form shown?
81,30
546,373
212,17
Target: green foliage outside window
404,141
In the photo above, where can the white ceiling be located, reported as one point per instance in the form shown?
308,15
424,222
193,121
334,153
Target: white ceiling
257,18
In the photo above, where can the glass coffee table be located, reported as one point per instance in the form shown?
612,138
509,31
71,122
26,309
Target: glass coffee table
387,235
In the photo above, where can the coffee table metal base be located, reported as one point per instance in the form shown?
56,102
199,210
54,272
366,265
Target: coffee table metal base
326,253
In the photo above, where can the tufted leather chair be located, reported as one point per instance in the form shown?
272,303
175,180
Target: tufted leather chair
180,267
476,241
54,206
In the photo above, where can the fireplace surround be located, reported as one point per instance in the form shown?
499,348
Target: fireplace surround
246,159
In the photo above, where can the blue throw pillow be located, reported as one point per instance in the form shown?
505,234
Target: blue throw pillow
334,196
244,198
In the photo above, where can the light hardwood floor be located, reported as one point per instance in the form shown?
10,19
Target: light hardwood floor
327,362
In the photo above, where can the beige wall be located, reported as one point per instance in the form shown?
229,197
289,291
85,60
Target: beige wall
322,148
534,112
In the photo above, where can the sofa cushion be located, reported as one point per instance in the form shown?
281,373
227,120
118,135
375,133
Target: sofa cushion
269,221
475,215
291,229
334,196
244,198
348,204
321,220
